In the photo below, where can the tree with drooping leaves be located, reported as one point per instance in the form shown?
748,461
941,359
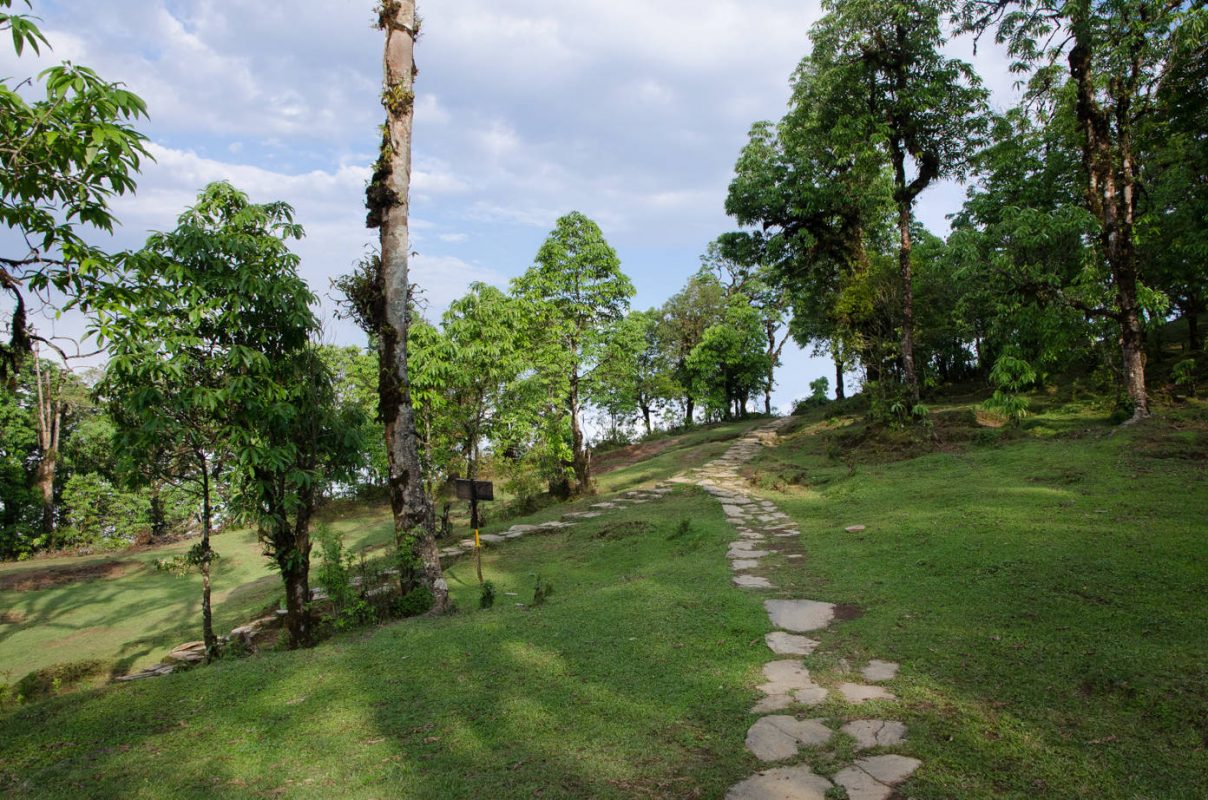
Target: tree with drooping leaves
577,290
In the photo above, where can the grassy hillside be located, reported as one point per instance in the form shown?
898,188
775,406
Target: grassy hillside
1044,589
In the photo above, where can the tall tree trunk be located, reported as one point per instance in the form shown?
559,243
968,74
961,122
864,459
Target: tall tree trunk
1194,341
159,525
646,418
579,461
689,408
840,391
50,418
904,201
388,199
1110,196
294,561
205,557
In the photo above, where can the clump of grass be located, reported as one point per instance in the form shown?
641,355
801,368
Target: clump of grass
486,598
542,591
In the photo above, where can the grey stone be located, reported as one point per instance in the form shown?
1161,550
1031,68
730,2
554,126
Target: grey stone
752,582
744,563
604,505
517,529
781,783
873,778
879,671
859,693
778,737
491,538
742,554
799,616
870,733
773,702
855,528
789,644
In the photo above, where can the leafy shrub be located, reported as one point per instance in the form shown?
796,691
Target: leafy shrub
100,513
56,679
1183,375
415,602
334,575
542,591
817,396
487,597
1010,376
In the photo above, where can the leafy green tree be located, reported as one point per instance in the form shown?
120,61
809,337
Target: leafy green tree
62,160
634,374
577,290
211,375
883,71
682,323
729,364
1115,54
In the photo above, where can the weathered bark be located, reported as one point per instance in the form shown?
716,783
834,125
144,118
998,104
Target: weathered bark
1195,341
646,418
50,419
905,203
205,556
840,391
295,572
159,525
579,460
388,201
1111,193
689,409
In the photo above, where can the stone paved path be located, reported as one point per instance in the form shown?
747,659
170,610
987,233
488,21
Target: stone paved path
778,735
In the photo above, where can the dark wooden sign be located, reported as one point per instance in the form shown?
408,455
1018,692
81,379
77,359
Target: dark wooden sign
474,490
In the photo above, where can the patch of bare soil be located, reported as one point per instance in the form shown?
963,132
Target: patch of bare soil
625,456
32,580
11,618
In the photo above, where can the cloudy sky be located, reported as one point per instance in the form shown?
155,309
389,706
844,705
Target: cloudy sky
631,111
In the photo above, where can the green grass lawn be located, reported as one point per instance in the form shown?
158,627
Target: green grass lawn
131,621
1046,593
633,680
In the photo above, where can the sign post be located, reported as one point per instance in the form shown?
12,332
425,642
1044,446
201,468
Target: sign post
474,491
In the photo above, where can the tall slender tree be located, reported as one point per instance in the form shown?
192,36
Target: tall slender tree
884,66
388,200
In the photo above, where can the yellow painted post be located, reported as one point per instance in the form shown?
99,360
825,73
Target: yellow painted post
478,554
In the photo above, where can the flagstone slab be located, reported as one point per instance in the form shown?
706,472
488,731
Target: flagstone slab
799,616
859,693
873,778
780,736
752,582
789,644
781,783
879,671
744,563
870,733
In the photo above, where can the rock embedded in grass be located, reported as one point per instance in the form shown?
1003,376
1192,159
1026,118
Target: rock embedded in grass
879,671
859,693
752,582
778,737
799,616
870,733
874,778
781,783
789,644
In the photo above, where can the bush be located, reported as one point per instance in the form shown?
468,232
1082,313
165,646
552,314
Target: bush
487,597
542,591
1010,376
100,513
1183,375
415,602
334,575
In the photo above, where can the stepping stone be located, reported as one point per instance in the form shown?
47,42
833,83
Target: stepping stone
879,671
781,783
744,563
582,514
491,538
515,529
779,737
732,511
870,733
752,582
794,556
789,644
859,693
554,525
604,505
855,528
799,616
743,553
752,536
789,682
874,778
